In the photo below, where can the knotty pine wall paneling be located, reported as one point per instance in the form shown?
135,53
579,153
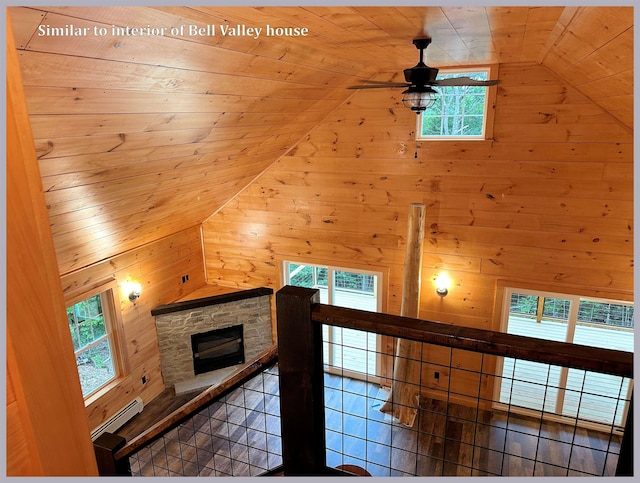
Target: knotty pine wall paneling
140,137
158,267
549,201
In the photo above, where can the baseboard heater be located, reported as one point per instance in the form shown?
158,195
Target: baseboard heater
119,419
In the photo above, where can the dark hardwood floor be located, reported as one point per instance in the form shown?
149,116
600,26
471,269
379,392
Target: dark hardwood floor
447,440
161,406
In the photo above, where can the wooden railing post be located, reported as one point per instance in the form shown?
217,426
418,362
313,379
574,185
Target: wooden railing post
301,383
105,447
625,458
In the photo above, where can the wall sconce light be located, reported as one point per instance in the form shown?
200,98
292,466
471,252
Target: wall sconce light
132,290
442,284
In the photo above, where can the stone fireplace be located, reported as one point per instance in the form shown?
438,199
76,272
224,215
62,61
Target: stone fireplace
218,324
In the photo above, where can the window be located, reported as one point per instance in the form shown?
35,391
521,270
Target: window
93,322
588,396
459,111
346,351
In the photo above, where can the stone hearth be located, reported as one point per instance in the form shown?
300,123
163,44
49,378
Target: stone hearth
175,323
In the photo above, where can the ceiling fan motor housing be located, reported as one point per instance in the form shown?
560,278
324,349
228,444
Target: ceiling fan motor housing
420,74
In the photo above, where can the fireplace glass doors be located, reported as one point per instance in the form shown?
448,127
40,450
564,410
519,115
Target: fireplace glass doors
217,349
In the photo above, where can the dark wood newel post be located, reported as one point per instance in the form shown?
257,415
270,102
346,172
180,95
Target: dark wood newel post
105,447
625,458
301,382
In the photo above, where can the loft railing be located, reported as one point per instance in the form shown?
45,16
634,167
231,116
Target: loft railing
308,435
231,429
296,419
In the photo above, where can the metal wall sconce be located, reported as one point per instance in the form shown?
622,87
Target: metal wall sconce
442,284
132,290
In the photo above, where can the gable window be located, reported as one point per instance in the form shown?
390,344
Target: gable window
459,112
93,324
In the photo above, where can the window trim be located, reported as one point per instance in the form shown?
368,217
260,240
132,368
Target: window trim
489,107
379,289
109,293
504,288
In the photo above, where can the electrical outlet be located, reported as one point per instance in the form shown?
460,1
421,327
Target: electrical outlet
185,278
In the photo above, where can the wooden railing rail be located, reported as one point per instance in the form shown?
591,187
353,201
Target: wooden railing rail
574,356
300,319
203,400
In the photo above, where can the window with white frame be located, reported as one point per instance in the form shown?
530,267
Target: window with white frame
459,112
346,351
590,397
92,323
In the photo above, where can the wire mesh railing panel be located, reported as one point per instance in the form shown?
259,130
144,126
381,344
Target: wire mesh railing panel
238,435
475,415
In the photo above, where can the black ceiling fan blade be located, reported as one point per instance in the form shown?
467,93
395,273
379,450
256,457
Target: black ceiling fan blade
463,81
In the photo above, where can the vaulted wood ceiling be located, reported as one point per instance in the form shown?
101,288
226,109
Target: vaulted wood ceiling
140,137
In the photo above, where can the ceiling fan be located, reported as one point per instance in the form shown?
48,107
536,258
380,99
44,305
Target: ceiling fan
419,93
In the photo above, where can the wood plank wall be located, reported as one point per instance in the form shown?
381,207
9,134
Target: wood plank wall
158,267
548,201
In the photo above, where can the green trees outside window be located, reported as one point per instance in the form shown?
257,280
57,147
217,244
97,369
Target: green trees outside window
459,111
91,342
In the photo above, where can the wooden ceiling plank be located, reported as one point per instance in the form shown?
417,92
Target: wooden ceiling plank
94,216
55,100
426,19
80,197
390,20
348,19
131,220
228,150
612,85
336,48
303,51
173,200
24,23
56,70
60,126
613,57
178,54
70,125
164,122
104,143
600,25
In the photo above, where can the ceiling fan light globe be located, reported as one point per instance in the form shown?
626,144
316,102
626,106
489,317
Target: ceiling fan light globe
418,101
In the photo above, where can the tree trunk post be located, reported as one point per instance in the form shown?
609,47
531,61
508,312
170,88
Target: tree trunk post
405,390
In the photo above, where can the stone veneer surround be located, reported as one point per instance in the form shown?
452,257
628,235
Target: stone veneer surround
175,323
